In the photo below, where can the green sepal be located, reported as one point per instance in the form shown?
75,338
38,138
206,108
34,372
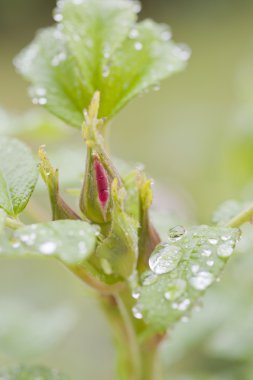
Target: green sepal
118,251
60,209
148,236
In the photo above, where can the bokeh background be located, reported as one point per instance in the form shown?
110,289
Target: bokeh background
195,137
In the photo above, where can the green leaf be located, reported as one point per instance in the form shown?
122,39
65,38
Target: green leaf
18,175
69,241
32,373
97,46
182,269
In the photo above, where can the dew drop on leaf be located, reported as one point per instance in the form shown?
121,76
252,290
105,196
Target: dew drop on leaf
136,293
137,312
176,233
138,46
48,248
164,258
210,263
225,250
213,241
175,289
133,33
202,280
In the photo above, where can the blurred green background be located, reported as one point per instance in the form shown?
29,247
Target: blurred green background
195,136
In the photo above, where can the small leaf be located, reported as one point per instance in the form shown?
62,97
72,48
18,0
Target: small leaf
69,241
32,373
97,46
60,209
183,269
18,175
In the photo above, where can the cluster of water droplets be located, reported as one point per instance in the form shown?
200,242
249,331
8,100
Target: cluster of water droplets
38,95
53,239
183,267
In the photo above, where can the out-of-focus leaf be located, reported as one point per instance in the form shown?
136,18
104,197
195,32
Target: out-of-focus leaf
69,241
18,175
26,332
32,373
182,270
97,46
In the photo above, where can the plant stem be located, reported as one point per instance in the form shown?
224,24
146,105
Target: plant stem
243,217
136,360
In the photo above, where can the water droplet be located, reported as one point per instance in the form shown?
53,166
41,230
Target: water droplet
166,35
225,250
82,247
48,248
182,306
42,101
137,312
58,59
28,239
57,15
195,268
202,280
136,7
136,293
134,33
210,263
138,46
106,71
164,258
175,289
206,252
226,237
148,278
40,91
176,233
16,244
182,51
213,241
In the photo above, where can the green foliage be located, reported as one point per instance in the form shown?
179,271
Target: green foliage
18,175
183,269
69,241
32,373
97,45
84,70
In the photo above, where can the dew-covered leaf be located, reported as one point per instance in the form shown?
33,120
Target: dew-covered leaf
69,241
97,46
181,270
31,373
18,175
